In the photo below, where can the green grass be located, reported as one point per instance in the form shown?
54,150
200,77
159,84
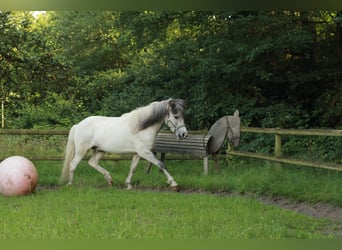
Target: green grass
90,213
255,177
92,210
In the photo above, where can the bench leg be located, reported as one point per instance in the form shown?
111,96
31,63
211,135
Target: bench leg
162,157
148,169
205,165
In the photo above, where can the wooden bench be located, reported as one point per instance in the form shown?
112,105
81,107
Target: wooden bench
198,144
194,144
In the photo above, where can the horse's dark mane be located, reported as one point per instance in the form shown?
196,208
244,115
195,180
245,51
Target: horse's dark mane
160,110
177,106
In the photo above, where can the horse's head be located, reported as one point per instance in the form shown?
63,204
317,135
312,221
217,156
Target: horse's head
175,118
234,129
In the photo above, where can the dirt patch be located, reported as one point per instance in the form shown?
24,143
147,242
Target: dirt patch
318,210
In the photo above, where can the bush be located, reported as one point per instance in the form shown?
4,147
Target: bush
54,112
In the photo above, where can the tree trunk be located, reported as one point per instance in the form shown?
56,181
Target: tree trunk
338,35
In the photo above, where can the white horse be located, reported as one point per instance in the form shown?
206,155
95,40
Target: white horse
133,132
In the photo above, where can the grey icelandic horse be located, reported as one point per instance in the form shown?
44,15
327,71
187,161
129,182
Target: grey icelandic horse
133,132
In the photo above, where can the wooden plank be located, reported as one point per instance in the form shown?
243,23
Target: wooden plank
33,132
175,150
179,145
319,132
174,147
324,165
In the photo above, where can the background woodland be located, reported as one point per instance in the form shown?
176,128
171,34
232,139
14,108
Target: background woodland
280,69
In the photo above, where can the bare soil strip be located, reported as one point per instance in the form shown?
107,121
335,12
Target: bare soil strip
317,210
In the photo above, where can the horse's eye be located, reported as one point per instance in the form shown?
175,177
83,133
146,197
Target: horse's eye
176,117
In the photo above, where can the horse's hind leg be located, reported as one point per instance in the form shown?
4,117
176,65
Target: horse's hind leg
94,162
73,164
134,164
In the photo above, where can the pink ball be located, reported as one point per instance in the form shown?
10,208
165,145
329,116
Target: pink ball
18,176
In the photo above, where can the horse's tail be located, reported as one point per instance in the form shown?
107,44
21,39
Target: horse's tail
69,155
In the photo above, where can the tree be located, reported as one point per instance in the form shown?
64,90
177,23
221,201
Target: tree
280,68
29,69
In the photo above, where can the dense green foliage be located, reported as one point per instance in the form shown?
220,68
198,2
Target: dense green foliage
281,69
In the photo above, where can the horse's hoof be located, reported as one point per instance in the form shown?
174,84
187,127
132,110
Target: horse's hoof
129,187
175,188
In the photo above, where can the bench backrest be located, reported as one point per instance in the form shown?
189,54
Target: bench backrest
194,144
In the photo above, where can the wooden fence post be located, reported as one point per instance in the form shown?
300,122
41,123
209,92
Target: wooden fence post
277,149
229,156
2,115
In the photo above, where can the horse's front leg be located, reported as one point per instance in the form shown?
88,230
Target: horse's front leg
149,156
134,164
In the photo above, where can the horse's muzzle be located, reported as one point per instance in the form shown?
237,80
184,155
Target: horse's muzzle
235,142
182,133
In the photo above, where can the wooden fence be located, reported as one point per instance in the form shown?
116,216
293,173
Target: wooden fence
277,157
47,132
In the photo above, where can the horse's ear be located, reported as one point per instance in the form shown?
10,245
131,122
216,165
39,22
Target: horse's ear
181,102
170,103
176,102
237,113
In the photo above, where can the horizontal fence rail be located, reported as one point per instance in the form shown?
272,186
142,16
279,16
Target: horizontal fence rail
277,157
33,132
311,132
64,133
277,146
325,165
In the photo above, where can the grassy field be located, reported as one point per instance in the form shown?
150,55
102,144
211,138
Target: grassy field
92,213
239,176
202,210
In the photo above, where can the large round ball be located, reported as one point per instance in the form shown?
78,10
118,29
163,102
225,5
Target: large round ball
18,176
